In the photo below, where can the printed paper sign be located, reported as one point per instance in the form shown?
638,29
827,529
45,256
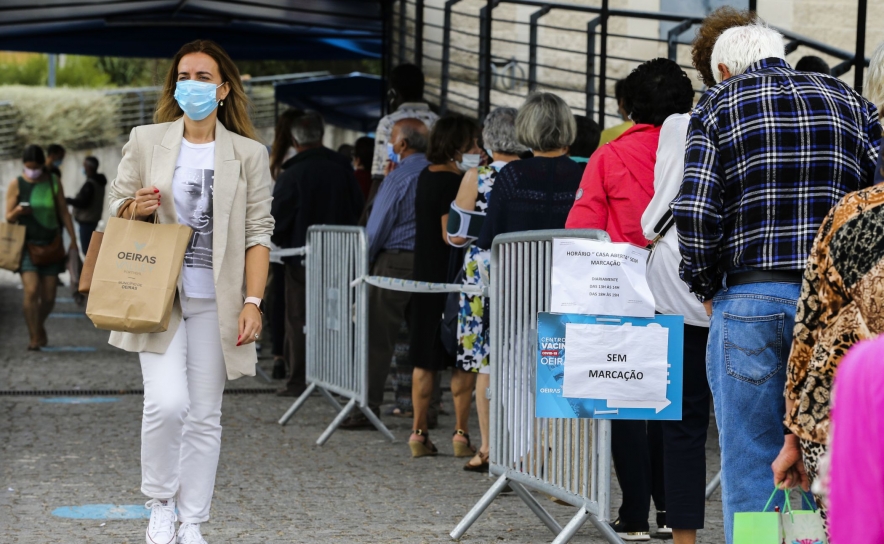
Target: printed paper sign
601,278
616,362
555,346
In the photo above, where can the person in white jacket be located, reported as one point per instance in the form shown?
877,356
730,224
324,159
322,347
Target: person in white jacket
684,442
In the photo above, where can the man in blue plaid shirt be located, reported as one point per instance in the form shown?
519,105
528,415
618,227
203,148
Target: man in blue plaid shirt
769,152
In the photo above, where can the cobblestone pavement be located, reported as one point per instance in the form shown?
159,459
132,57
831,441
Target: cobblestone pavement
274,484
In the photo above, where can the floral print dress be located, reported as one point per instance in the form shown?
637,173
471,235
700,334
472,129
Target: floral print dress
472,321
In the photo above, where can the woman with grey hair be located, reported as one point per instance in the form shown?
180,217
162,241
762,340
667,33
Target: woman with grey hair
874,91
464,225
536,193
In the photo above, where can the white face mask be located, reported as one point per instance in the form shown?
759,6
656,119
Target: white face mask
490,154
469,160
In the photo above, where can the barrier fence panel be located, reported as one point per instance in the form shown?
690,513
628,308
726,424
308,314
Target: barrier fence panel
569,459
337,323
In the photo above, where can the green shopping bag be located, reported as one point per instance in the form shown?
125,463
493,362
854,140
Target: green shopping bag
787,527
758,527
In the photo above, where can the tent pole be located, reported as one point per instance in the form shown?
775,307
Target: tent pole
53,63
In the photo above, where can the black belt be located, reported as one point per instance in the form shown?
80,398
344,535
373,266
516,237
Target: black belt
763,276
396,251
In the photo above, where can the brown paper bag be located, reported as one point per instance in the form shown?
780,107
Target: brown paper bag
12,241
136,275
89,263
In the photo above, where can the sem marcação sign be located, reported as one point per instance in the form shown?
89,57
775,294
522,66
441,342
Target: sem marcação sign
605,354
609,367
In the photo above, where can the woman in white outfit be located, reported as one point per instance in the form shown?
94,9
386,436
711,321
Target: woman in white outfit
202,161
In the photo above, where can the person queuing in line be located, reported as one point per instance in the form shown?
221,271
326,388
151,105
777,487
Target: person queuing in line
617,187
363,152
588,134
684,442
203,157
760,177
840,304
316,188
534,193
710,29
873,89
406,101
36,200
612,133
54,158
464,225
281,154
391,240
283,148
89,203
453,149
856,453
811,63
346,150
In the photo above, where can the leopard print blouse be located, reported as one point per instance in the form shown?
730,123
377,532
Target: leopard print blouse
841,303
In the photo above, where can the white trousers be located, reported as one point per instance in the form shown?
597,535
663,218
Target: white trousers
181,424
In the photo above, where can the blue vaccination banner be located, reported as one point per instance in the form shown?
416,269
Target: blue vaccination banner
652,403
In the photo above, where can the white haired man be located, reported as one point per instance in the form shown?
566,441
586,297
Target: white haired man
770,150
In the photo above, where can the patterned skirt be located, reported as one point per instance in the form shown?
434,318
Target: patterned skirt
473,318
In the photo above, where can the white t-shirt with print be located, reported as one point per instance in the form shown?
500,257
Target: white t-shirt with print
192,188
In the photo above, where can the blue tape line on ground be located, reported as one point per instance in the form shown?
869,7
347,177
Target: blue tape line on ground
68,348
79,400
103,511
67,315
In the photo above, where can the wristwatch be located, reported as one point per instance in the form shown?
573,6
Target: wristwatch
257,302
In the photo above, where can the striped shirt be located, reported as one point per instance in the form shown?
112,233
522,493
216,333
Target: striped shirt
769,152
408,110
391,223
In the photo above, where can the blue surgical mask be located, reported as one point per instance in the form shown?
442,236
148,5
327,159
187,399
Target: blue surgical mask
196,98
392,155
469,160
58,163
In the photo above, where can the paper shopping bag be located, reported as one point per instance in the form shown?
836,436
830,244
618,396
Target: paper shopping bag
89,263
12,241
803,526
757,528
136,275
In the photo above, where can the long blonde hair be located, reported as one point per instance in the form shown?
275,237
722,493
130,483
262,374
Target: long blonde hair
874,87
234,114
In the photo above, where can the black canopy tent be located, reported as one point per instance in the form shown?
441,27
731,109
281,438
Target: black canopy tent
349,101
247,29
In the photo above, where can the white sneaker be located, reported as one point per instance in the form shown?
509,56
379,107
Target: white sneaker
189,533
161,529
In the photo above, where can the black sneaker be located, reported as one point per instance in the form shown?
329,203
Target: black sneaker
632,532
278,368
663,529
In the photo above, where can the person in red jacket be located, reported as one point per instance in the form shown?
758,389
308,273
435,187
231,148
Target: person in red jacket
619,180
617,186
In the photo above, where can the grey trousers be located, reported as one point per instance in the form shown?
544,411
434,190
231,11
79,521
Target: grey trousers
386,312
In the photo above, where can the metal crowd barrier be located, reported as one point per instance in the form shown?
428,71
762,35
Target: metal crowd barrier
337,323
569,459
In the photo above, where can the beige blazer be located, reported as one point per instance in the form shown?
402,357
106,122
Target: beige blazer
241,215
